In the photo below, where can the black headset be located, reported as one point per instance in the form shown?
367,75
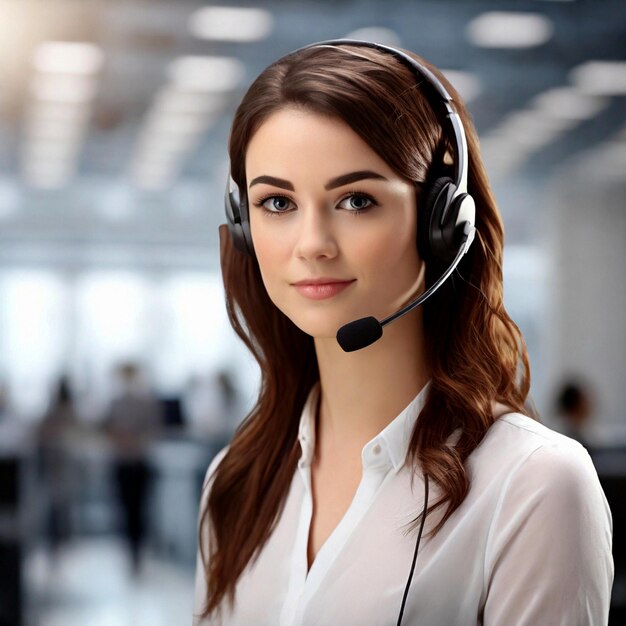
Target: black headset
445,206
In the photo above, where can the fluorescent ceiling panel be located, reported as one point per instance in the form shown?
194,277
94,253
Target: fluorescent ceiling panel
68,57
569,103
507,29
600,78
467,84
170,100
231,23
531,122
46,180
174,124
63,88
206,74
51,151
379,34
58,112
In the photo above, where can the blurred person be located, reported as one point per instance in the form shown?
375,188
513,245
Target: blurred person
210,401
228,391
573,407
350,166
5,401
57,432
133,421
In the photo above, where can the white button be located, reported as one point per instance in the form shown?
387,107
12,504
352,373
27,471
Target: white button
376,449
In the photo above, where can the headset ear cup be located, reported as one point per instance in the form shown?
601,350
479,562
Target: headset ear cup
430,213
238,237
245,226
236,209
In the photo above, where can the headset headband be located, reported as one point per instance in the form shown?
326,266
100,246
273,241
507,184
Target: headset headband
460,161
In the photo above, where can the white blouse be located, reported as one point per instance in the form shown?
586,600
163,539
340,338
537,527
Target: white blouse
530,545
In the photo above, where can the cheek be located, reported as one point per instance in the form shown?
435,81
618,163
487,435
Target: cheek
271,253
260,239
392,248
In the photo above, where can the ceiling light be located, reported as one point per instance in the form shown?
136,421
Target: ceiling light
528,123
174,124
172,143
231,23
63,88
49,168
466,83
59,112
605,162
600,78
48,150
568,103
156,161
206,74
534,141
48,131
501,156
503,29
379,34
187,102
45,177
68,57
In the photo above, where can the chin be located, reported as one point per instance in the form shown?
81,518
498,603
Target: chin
318,330
318,325
320,320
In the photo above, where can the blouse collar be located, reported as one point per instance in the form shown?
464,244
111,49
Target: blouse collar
389,447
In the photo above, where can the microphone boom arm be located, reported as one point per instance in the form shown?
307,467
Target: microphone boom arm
468,236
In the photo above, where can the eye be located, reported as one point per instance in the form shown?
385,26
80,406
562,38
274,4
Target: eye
357,202
275,204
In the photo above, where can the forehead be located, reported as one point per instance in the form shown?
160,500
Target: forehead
295,141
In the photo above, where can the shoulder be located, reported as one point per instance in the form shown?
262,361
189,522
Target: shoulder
549,527
535,462
210,473
520,437
213,465
208,479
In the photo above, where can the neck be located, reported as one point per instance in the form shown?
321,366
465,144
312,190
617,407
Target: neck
361,392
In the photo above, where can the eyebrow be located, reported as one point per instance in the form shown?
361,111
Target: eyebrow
333,183
352,177
272,180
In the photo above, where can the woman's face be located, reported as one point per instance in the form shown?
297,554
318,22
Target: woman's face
324,205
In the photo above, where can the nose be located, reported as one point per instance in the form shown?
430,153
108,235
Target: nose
316,238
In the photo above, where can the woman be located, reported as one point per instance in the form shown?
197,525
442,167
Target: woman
314,512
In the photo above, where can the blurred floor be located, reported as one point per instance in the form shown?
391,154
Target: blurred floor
91,584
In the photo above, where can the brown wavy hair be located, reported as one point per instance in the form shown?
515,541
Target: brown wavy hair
476,354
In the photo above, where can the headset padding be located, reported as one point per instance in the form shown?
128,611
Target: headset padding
429,214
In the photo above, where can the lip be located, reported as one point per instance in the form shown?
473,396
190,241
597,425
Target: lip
323,280
322,288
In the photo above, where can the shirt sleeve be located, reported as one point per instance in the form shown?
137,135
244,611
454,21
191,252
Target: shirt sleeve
548,558
200,592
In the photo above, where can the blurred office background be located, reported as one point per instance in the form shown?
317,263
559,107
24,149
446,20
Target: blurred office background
119,374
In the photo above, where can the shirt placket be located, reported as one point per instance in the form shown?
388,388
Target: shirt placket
302,586
298,566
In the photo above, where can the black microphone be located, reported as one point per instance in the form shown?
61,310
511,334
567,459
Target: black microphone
365,331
